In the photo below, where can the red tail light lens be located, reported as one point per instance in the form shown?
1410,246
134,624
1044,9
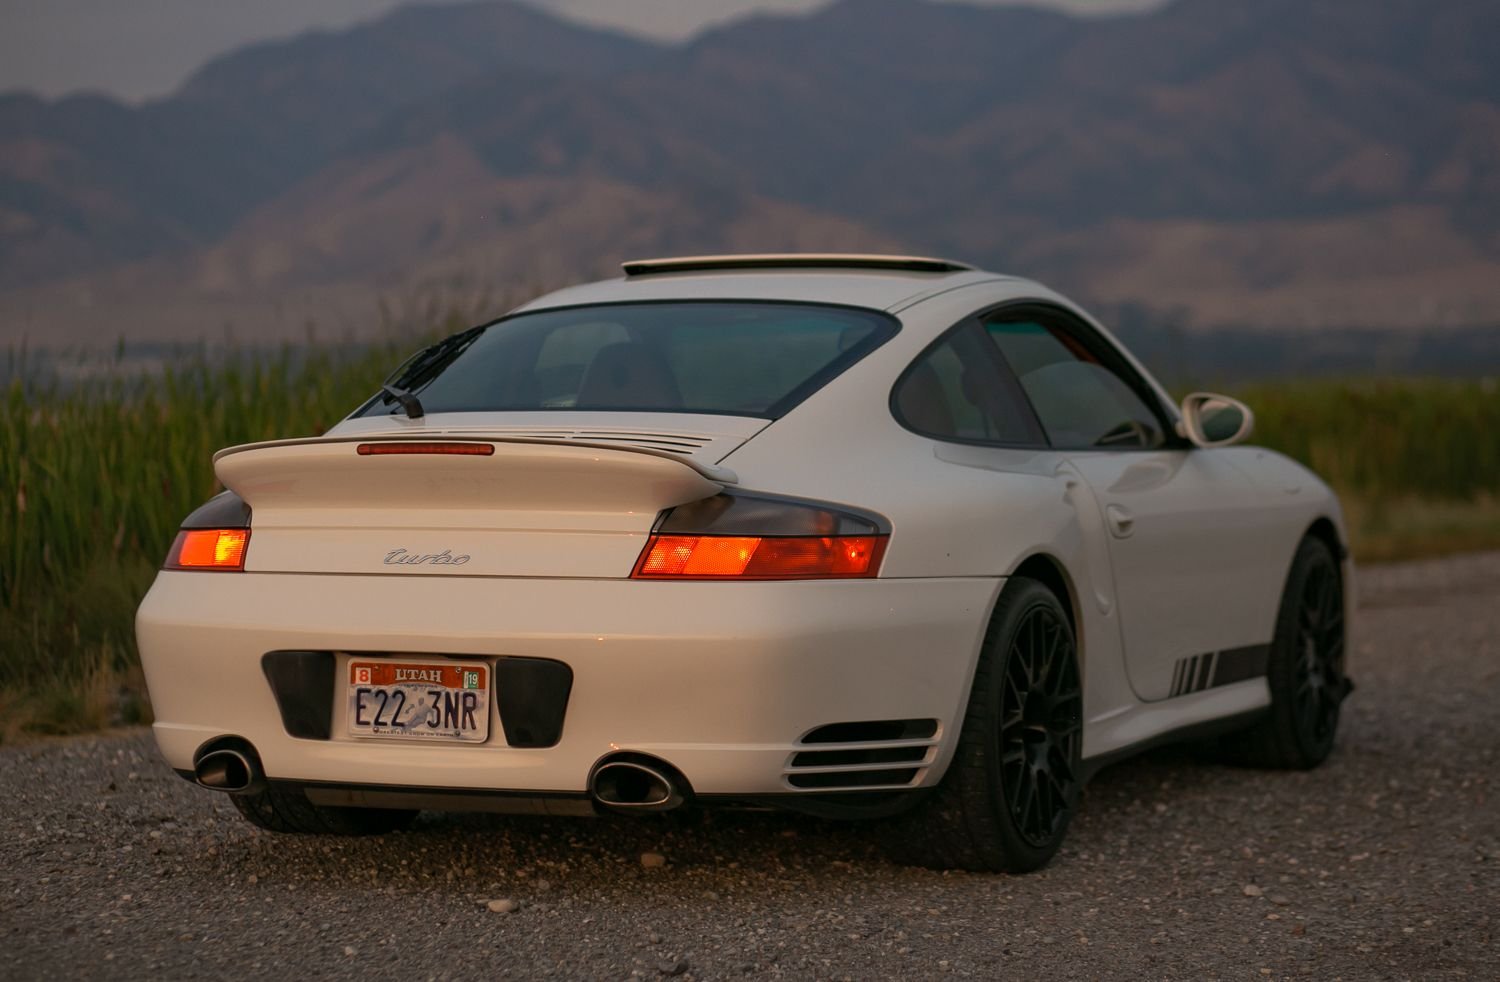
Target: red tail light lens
209,549
709,557
749,535
695,555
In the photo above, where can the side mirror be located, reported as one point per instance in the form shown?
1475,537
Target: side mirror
1212,420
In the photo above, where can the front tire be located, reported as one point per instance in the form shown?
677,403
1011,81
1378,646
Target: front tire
1305,670
1012,787
278,809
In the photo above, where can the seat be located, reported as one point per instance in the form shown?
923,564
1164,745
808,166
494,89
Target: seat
629,375
924,404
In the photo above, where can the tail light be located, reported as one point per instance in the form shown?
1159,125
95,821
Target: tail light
214,537
747,536
221,549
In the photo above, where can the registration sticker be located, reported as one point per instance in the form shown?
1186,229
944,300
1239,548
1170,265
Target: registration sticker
447,701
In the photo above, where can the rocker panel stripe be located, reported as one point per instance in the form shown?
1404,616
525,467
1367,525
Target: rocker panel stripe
1212,669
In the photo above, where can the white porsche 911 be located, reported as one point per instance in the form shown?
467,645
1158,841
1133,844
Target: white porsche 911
857,536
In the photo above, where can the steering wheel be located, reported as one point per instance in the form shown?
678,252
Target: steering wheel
1130,433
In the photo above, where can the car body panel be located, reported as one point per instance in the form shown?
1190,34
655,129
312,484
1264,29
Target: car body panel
530,507
722,680
1197,562
696,437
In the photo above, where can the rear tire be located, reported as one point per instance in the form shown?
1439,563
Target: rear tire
1012,787
1305,669
278,809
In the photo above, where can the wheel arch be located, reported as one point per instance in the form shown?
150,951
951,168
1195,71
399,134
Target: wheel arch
1326,531
1333,535
1049,571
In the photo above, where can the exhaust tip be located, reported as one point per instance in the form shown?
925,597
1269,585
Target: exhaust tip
225,770
634,785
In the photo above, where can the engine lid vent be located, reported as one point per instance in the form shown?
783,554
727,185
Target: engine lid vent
704,439
678,443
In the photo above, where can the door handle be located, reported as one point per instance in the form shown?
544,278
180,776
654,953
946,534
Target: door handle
1121,522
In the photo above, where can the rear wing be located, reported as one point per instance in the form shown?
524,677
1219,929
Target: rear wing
458,474
713,472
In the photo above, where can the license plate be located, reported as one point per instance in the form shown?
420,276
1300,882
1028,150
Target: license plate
419,700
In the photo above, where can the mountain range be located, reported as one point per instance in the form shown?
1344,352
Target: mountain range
1277,163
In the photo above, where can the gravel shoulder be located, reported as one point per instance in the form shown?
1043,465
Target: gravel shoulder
1385,863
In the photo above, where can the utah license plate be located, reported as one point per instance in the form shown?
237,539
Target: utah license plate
419,700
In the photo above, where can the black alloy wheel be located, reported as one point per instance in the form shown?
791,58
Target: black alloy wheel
1041,726
1012,786
1321,685
1305,671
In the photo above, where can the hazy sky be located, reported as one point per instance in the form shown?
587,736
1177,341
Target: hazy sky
140,48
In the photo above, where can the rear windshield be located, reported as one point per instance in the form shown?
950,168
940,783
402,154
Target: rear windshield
748,359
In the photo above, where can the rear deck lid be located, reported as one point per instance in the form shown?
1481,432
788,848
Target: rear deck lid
473,495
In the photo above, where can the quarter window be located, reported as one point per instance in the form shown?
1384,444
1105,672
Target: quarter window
957,391
1080,401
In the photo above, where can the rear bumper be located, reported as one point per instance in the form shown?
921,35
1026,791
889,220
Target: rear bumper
721,680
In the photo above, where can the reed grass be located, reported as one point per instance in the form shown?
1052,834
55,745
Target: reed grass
95,479
93,483
1416,462
1387,438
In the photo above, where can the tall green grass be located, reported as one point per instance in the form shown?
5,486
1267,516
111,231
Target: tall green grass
1387,438
1416,462
94,480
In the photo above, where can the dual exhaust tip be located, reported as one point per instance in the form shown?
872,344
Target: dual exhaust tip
629,783
637,783
229,770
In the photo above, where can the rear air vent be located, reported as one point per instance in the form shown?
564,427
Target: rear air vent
863,780
871,730
843,756
881,755
652,441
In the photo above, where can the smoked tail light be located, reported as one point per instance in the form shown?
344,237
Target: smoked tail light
209,549
743,535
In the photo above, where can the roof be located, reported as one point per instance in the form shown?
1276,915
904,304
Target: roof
876,282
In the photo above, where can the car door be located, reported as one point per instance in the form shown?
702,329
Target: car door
1190,576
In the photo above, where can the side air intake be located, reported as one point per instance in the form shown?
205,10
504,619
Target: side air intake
867,755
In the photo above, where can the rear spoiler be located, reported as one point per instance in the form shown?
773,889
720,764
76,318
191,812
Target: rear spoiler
327,480
716,473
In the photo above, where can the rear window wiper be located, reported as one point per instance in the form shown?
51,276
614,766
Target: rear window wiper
422,368
409,402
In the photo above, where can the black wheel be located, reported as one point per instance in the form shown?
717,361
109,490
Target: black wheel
1305,670
1005,803
281,809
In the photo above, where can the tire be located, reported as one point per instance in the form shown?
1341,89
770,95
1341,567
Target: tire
1012,787
282,809
1305,670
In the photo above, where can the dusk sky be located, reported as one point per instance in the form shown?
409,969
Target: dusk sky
135,49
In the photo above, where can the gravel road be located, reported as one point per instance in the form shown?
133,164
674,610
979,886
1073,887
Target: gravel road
1384,863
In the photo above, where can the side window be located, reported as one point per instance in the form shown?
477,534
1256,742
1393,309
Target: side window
1080,401
957,391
